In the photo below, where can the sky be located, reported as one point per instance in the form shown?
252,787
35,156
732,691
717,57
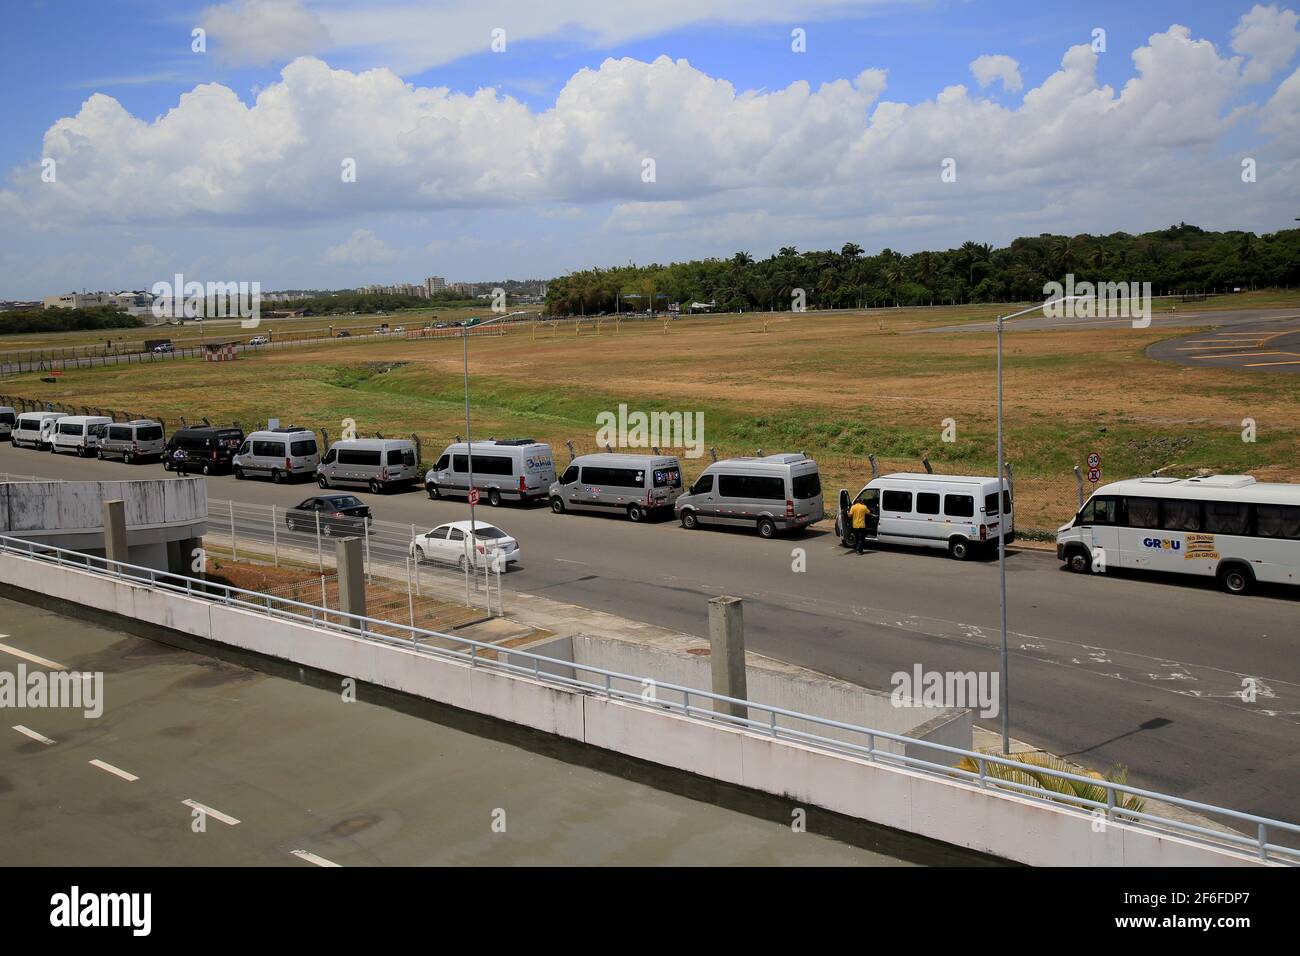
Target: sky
336,143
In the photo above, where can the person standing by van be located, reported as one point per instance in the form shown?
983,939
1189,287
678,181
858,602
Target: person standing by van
178,462
858,515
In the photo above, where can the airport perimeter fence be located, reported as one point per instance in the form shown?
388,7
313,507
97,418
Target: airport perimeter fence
1104,801
392,551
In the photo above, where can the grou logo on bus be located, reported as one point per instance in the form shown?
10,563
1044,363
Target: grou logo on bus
1162,544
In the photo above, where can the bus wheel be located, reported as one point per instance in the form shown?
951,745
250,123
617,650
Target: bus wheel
1079,561
1236,579
959,548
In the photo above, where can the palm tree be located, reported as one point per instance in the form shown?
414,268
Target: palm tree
850,250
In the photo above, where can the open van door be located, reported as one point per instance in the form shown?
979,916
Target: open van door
843,528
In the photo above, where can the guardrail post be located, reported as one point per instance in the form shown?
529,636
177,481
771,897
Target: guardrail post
727,653
1263,841
352,578
115,546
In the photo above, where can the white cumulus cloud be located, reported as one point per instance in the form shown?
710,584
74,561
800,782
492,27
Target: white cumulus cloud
264,31
1267,35
990,67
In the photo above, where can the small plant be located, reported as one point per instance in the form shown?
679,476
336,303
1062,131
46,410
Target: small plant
1039,769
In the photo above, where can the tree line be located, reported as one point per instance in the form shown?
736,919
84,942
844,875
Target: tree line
66,320
1182,258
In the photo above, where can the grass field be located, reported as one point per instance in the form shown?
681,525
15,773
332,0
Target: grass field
836,386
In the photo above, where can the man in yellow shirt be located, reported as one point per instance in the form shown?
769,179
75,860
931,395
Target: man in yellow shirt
858,515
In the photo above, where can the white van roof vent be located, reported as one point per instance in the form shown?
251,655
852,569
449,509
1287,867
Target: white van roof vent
1160,481
785,459
1223,481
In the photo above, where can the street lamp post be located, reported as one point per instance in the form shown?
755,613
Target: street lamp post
1004,694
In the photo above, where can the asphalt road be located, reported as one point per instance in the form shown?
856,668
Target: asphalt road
1132,671
1161,317
1271,345
289,774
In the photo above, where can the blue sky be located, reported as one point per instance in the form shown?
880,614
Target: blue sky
482,192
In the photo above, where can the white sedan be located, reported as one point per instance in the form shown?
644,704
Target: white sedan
450,544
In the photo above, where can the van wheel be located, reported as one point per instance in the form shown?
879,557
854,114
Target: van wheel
207,468
432,491
766,528
494,498
1236,579
557,504
100,455
276,476
239,473
959,548
1079,561
127,459
375,487
322,481
167,465
689,521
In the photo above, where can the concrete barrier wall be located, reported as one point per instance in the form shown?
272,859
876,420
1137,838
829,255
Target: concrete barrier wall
44,508
788,688
951,811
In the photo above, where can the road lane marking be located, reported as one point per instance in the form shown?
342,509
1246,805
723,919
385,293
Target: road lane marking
569,561
1220,355
28,732
128,777
1206,348
30,657
215,814
313,858
1262,364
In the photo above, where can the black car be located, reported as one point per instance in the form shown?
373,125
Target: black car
207,449
339,514
343,334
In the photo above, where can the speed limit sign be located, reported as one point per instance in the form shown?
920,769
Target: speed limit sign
473,496
1094,461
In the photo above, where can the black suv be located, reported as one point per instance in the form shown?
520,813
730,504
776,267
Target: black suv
207,449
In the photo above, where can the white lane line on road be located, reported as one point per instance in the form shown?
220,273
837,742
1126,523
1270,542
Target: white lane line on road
313,858
118,771
28,732
568,561
215,814
53,665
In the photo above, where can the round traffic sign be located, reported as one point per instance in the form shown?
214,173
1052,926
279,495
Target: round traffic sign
1094,460
1094,474
473,496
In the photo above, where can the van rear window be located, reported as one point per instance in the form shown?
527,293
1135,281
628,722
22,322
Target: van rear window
150,433
301,449
6,418
959,506
807,486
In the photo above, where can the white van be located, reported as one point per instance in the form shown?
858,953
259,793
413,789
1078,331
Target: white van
520,469
32,429
770,494
1237,529
958,512
637,485
8,416
278,453
79,434
377,463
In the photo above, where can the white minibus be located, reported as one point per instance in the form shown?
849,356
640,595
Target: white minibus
956,512
1239,530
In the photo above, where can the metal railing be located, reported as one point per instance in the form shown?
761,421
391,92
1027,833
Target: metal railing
391,549
776,722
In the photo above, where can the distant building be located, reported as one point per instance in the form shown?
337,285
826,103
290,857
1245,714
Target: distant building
139,304
434,284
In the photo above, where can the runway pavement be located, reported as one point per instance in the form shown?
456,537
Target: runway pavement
1267,345
1135,671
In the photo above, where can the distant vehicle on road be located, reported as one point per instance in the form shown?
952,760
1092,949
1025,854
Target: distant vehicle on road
769,494
378,463
8,416
399,330
441,325
164,347
259,340
1232,527
519,469
133,441
343,334
956,512
79,434
278,453
450,544
32,429
337,514
636,485
207,449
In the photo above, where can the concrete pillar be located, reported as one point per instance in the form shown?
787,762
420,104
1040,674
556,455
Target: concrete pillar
349,555
114,516
727,652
